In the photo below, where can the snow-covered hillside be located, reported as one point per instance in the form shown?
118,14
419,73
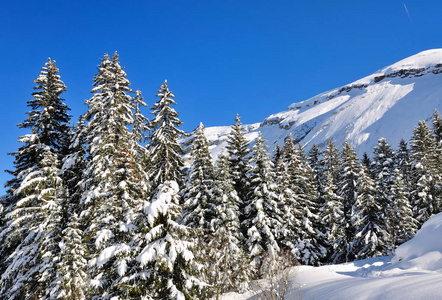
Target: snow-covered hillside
415,272
388,103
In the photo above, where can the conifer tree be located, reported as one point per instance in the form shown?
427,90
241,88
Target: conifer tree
164,151
228,267
384,173
423,192
262,217
111,199
308,240
367,163
437,126
403,225
71,278
166,264
331,214
371,238
198,196
35,191
350,171
237,149
33,227
72,169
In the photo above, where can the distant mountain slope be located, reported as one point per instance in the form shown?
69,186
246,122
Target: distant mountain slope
388,103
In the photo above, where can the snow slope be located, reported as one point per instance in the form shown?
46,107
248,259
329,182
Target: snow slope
388,103
415,272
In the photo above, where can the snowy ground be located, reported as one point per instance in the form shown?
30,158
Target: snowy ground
415,272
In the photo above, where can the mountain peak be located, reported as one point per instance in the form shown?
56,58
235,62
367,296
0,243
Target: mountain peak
388,103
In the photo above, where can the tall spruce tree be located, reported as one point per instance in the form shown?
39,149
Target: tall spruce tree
403,225
164,151
262,218
228,267
307,239
371,235
166,266
350,171
237,149
33,229
384,173
111,200
34,190
331,214
198,197
423,192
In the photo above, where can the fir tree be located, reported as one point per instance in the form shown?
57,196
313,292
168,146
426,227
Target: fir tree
331,214
111,198
437,126
71,280
198,197
403,226
350,171
33,226
227,264
371,238
49,115
384,173
237,149
307,239
35,192
262,217
164,150
166,263
423,193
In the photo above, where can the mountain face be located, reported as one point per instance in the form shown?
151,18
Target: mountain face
388,103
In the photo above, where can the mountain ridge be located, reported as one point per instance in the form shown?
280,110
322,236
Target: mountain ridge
387,103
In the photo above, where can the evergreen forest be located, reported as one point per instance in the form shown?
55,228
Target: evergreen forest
105,207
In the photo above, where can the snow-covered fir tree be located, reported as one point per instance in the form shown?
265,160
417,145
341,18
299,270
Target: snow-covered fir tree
371,235
350,171
141,165
198,197
111,197
166,265
32,230
164,151
228,267
403,225
35,186
384,173
262,218
309,249
290,210
238,151
331,212
423,192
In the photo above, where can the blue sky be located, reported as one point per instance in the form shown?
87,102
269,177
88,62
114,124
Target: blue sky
220,58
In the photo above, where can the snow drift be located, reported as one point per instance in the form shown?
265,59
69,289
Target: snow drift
415,272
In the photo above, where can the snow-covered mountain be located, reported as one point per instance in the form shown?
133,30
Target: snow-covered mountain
388,103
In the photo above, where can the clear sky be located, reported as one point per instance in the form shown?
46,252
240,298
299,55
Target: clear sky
252,57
